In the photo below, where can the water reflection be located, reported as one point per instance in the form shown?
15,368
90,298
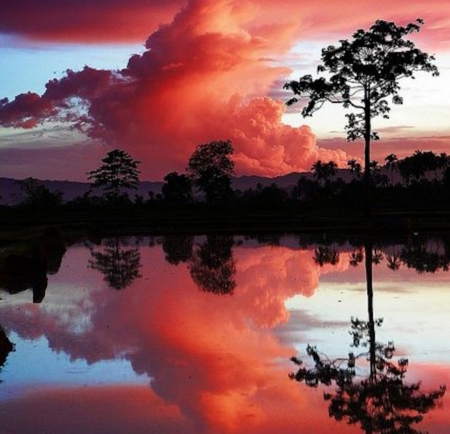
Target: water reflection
168,357
28,267
325,255
118,263
6,346
380,401
178,248
212,266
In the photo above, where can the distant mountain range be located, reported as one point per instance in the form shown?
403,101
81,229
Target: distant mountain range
10,192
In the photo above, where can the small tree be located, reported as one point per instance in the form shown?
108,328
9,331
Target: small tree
211,168
325,172
355,168
119,170
177,188
38,195
118,264
364,72
391,164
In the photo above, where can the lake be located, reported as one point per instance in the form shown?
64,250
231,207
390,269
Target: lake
218,334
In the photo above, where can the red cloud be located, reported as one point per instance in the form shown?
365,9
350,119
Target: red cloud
277,20
203,77
198,81
84,20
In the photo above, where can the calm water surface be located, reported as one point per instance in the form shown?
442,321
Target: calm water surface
195,335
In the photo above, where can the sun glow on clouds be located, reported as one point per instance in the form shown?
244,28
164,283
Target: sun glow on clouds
212,71
199,80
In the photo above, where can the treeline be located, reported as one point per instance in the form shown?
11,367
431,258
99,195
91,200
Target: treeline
420,181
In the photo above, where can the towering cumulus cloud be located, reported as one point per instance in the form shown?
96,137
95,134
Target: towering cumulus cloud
203,77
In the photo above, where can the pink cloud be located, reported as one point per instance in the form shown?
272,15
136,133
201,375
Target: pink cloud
402,146
85,21
199,80
276,20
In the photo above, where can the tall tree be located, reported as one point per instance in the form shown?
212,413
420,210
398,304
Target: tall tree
381,401
119,170
363,73
211,168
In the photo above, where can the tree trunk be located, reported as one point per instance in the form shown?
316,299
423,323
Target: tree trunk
368,254
367,174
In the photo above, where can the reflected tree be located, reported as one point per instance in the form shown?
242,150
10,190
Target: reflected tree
426,255
6,346
381,402
212,266
178,248
119,265
393,261
356,257
325,255
29,266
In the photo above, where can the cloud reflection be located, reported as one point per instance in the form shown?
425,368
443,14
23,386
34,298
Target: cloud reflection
217,363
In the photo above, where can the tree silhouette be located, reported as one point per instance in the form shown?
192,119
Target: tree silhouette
324,171
355,168
391,164
6,346
364,72
382,402
325,255
119,266
28,267
178,248
38,196
426,255
119,170
211,168
177,188
212,266
422,165
393,261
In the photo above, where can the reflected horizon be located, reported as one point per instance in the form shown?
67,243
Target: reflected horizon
199,339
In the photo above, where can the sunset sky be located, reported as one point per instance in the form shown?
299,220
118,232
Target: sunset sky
159,77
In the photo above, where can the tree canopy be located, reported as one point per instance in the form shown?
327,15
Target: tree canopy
211,168
362,74
177,188
119,170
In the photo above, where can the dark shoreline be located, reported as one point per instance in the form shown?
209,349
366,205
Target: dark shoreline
27,227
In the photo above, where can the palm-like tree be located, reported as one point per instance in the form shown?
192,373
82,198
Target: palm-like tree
355,168
391,164
324,171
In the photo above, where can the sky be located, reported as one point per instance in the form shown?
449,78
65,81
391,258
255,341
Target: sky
158,78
